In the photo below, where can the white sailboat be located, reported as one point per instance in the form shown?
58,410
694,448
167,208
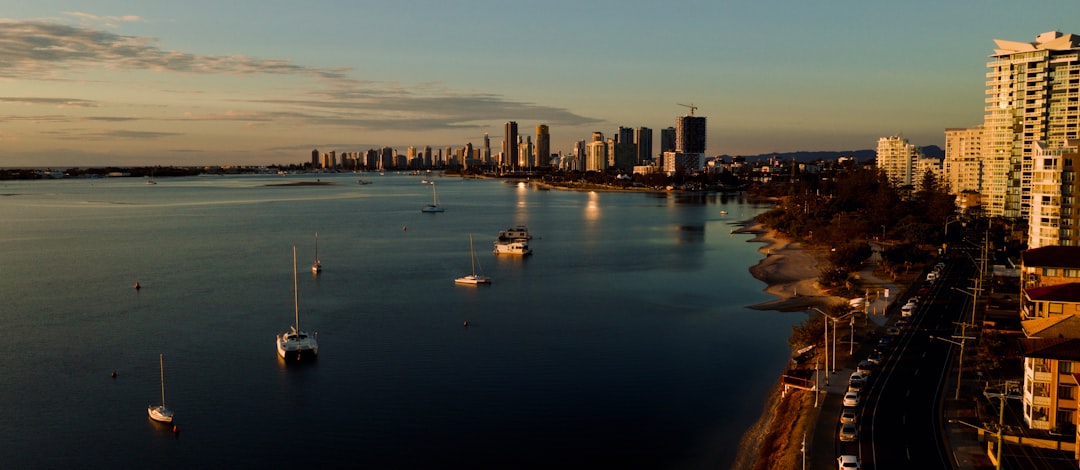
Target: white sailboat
316,267
160,412
473,279
434,206
294,344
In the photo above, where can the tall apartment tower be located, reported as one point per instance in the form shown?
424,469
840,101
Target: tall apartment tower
963,160
1055,211
315,158
543,146
667,140
1031,96
690,134
485,156
510,143
596,153
897,158
643,141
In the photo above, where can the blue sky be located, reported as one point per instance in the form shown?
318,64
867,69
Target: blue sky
257,82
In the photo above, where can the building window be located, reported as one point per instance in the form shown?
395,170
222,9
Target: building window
1055,307
1040,389
1066,392
1065,367
1039,413
1039,364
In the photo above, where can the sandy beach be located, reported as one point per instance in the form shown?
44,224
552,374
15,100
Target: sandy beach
790,273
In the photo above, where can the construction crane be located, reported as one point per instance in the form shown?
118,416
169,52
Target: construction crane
692,107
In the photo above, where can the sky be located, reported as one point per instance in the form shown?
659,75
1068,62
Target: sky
242,82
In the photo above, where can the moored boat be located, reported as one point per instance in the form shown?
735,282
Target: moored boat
513,241
295,345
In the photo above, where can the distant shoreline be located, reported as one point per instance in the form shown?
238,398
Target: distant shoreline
304,183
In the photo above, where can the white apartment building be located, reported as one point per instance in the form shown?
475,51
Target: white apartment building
1055,211
1032,91
898,159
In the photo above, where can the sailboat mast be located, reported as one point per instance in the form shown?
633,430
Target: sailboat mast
161,365
316,246
472,255
296,294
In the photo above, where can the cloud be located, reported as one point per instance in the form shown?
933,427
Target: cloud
30,49
61,102
38,50
112,22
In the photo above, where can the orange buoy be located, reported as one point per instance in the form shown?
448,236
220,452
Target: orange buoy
114,374
137,286
176,429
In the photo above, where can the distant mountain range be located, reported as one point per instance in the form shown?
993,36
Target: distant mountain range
930,151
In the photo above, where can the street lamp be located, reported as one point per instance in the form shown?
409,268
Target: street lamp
959,367
835,320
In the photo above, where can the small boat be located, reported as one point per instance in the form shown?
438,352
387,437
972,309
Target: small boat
316,267
473,279
295,344
723,212
160,413
434,206
513,241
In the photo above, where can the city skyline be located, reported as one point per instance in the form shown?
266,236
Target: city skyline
157,83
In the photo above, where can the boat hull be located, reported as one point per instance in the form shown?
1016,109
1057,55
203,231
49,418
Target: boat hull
473,280
512,248
297,348
160,413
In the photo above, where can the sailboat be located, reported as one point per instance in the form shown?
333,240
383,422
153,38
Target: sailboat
316,267
473,279
160,412
434,206
294,344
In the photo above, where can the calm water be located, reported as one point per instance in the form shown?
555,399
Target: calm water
624,340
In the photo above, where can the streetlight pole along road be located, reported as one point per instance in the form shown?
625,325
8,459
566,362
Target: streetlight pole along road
901,412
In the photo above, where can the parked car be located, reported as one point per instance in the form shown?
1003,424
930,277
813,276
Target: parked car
848,432
864,368
875,358
907,310
901,323
848,415
923,292
892,330
858,376
851,399
931,276
848,462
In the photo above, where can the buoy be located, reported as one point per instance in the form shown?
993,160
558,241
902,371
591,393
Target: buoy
137,286
404,228
114,374
176,429
466,322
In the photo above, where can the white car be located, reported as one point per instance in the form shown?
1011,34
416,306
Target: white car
848,462
851,399
907,310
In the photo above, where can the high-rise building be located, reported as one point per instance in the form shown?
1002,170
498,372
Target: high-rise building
625,135
643,142
690,134
1031,96
897,158
543,146
315,158
1055,211
963,160
485,156
596,153
667,140
510,143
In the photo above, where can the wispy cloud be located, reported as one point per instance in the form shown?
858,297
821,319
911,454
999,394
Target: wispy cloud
111,22
31,49
63,102
38,50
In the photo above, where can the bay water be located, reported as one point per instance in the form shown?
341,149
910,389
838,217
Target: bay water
623,341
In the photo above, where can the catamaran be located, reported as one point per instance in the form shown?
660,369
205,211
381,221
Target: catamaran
473,279
434,206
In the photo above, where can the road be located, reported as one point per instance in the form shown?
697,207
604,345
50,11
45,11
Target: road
900,412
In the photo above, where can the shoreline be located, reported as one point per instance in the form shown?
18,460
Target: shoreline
790,273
